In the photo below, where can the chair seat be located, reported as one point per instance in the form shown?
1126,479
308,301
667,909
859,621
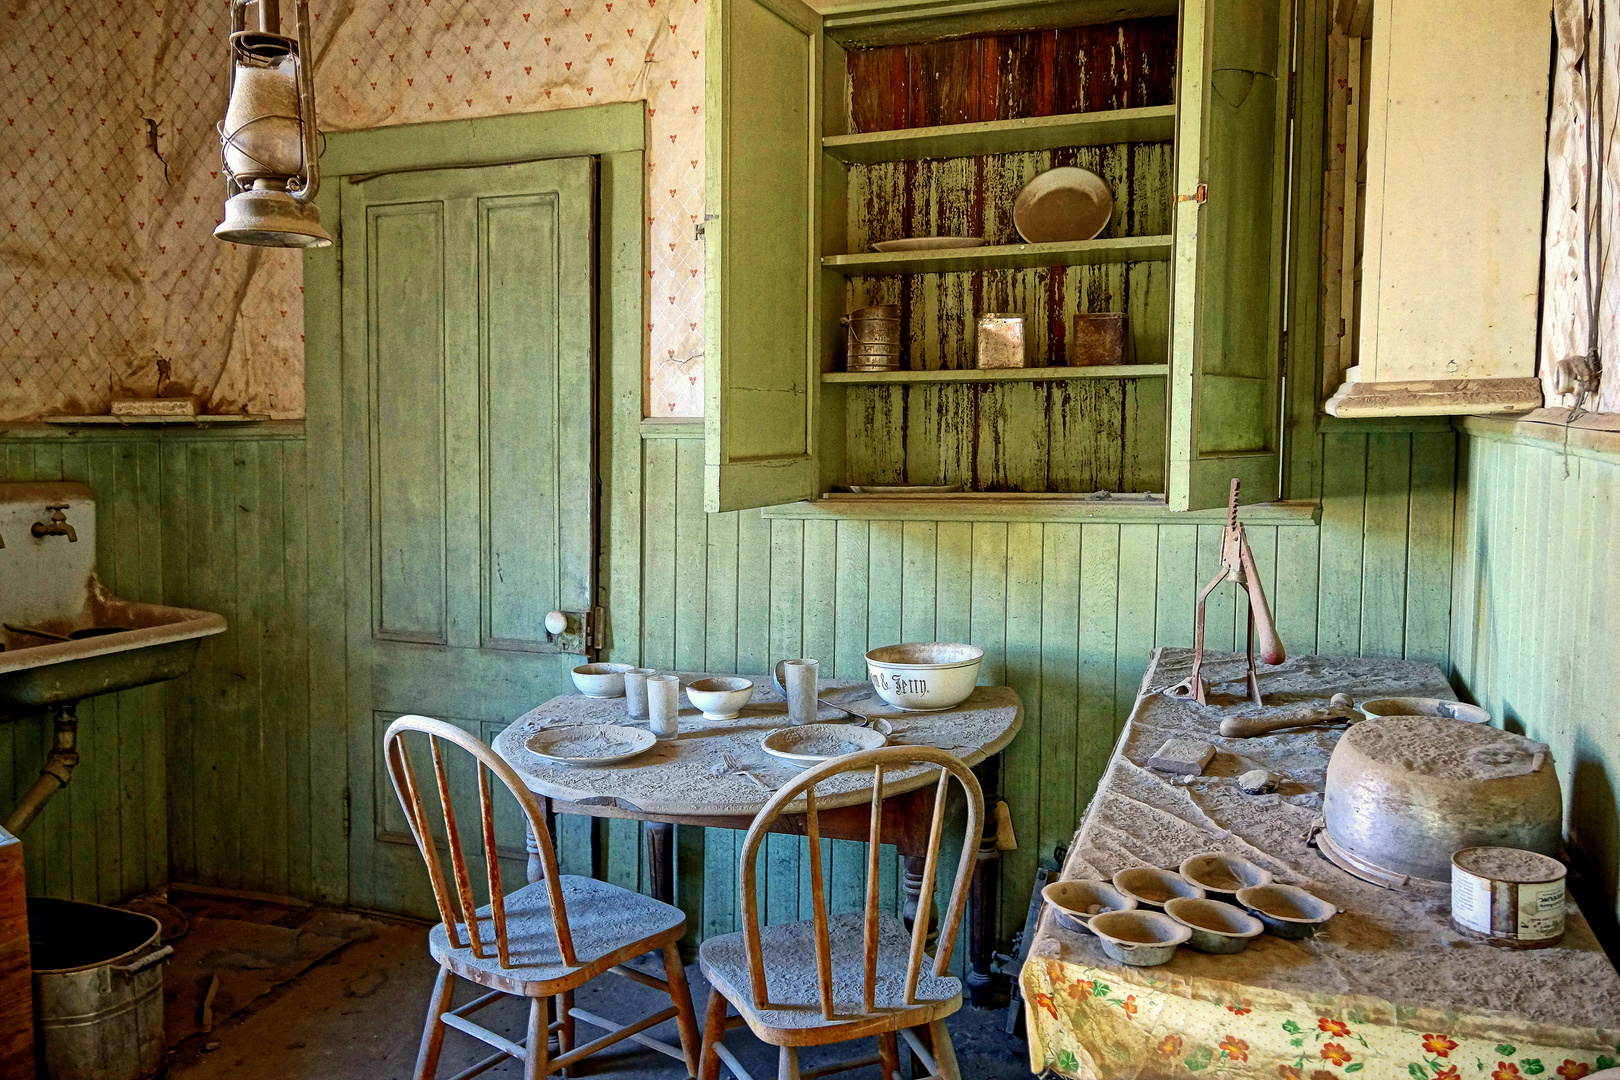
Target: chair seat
793,1017
609,925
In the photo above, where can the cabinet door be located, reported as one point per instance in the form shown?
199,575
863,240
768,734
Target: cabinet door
763,135
1226,300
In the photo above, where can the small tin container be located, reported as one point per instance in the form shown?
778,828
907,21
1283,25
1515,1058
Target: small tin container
1507,896
1099,339
1001,340
873,339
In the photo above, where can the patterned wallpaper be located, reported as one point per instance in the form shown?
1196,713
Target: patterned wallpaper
118,288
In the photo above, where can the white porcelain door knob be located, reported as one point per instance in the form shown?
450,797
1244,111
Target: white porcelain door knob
556,622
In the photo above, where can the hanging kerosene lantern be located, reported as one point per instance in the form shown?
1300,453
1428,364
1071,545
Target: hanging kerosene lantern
268,136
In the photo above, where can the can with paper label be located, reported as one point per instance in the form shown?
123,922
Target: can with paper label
1507,896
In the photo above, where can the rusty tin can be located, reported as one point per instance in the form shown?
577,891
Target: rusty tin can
1508,896
874,338
1099,339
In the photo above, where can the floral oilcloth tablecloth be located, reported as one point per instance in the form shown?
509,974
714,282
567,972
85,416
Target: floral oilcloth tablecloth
1387,991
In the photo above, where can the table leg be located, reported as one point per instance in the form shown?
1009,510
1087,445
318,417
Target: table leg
661,860
911,885
982,896
536,867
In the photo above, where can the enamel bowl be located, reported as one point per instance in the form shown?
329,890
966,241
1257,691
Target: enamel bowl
1151,887
1075,902
1222,873
924,676
600,680
1216,927
720,698
1287,910
1423,706
1139,938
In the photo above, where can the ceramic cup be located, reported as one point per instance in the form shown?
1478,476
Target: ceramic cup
635,692
799,684
664,705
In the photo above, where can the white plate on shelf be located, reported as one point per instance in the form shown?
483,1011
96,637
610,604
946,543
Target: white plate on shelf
590,744
929,243
1063,204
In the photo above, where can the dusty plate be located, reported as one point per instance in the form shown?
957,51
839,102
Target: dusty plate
812,744
590,744
929,243
1061,204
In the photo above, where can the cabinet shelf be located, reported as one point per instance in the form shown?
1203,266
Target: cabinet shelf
1152,124
978,375
1123,249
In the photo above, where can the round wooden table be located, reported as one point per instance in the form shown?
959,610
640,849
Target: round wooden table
686,781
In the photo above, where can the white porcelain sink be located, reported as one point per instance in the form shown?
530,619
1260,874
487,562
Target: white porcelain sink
49,591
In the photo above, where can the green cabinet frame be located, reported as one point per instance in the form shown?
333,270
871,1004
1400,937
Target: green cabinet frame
774,199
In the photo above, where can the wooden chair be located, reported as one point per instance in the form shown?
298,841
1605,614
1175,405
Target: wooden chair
540,942
847,976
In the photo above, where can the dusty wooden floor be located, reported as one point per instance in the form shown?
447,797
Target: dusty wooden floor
359,1013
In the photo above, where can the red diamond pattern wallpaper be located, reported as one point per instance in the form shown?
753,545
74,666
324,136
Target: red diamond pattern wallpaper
111,163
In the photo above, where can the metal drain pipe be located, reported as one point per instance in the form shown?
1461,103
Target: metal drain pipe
54,774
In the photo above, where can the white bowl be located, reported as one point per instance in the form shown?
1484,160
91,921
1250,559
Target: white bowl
1423,706
600,680
1216,927
1075,902
720,698
1150,886
1223,873
1139,938
924,676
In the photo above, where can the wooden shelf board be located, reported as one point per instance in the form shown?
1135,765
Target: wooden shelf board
977,375
157,421
1154,124
1123,249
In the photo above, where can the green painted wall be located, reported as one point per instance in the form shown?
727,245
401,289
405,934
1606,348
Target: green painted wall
1536,626
1067,612
207,778
235,775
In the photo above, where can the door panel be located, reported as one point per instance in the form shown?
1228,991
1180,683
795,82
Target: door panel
1231,150
761,259
406,305
470,382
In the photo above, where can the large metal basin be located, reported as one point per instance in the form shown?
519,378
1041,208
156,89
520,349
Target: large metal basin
49,590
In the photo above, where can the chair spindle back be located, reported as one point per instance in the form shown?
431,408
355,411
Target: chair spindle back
890,760
458,908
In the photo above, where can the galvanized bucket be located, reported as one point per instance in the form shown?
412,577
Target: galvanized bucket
874,338
98,990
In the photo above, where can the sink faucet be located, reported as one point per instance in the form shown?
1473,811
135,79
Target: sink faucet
58,525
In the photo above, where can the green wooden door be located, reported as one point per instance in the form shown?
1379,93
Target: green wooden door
468,384
761,252
1227,291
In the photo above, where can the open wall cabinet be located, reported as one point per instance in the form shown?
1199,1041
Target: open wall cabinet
828,133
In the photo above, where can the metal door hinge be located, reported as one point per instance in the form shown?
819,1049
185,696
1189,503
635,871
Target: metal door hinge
1198,196
348,806
701,227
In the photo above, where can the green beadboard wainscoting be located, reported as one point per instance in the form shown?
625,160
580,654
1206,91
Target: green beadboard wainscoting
217,777
235,775
1066,612
1536,626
